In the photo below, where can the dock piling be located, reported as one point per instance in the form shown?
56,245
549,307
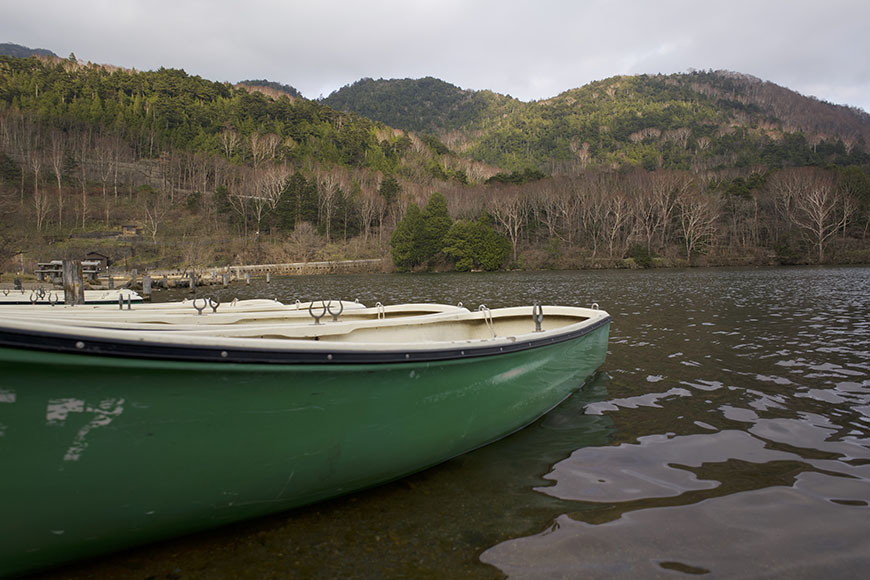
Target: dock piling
73,288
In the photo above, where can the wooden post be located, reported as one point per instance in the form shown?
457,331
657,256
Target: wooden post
111,282
193,281
268,276
146,286
226,279
73,288
248,278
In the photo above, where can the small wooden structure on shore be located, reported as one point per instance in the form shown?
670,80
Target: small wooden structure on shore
53,271
233,274
94,271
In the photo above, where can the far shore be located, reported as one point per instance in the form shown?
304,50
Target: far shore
225,275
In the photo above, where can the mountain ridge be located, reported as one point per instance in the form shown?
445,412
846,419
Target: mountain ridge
19,51
612,119
699,120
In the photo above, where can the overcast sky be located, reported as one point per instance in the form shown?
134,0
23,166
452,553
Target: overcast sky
530,49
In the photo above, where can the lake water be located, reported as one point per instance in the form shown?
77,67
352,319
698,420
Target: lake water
727,435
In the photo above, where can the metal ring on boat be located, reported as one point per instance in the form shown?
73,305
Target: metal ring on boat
311,311
33,297
382,313
53,300
214,303
335,314
199,309
594,306
538,316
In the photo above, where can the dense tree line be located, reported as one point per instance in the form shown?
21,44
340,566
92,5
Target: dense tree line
423,238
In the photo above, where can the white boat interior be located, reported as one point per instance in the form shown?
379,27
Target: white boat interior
194,315
431,328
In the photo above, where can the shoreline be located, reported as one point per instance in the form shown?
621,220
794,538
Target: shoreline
232,275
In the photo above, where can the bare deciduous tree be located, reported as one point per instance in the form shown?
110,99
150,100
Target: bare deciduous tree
810,199
699,211
510,208
229,140
56,158
594,193
260,192
328,192
371,206
617,222
303,242
263,147
82,153
154,211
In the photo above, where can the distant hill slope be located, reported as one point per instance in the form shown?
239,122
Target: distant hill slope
426,105
272,88
693,120
169,110
18,51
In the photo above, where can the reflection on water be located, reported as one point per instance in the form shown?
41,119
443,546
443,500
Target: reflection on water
728,435
741,448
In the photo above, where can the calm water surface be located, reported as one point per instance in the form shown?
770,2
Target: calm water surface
727,435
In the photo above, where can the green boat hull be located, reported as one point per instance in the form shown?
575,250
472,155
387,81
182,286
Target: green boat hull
102,453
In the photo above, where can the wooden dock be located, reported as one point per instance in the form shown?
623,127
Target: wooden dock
161,279
49,275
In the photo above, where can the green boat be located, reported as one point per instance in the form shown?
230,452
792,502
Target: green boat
113,437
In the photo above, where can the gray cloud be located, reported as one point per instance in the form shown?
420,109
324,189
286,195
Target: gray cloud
529,49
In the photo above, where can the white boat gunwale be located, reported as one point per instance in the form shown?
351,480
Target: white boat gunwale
315,347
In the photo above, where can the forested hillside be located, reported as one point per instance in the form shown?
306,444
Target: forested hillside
702,168
695,121
426,105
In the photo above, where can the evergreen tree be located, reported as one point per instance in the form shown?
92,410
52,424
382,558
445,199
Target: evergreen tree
404,243
298,203
389,190
475,245
419,236
436,224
